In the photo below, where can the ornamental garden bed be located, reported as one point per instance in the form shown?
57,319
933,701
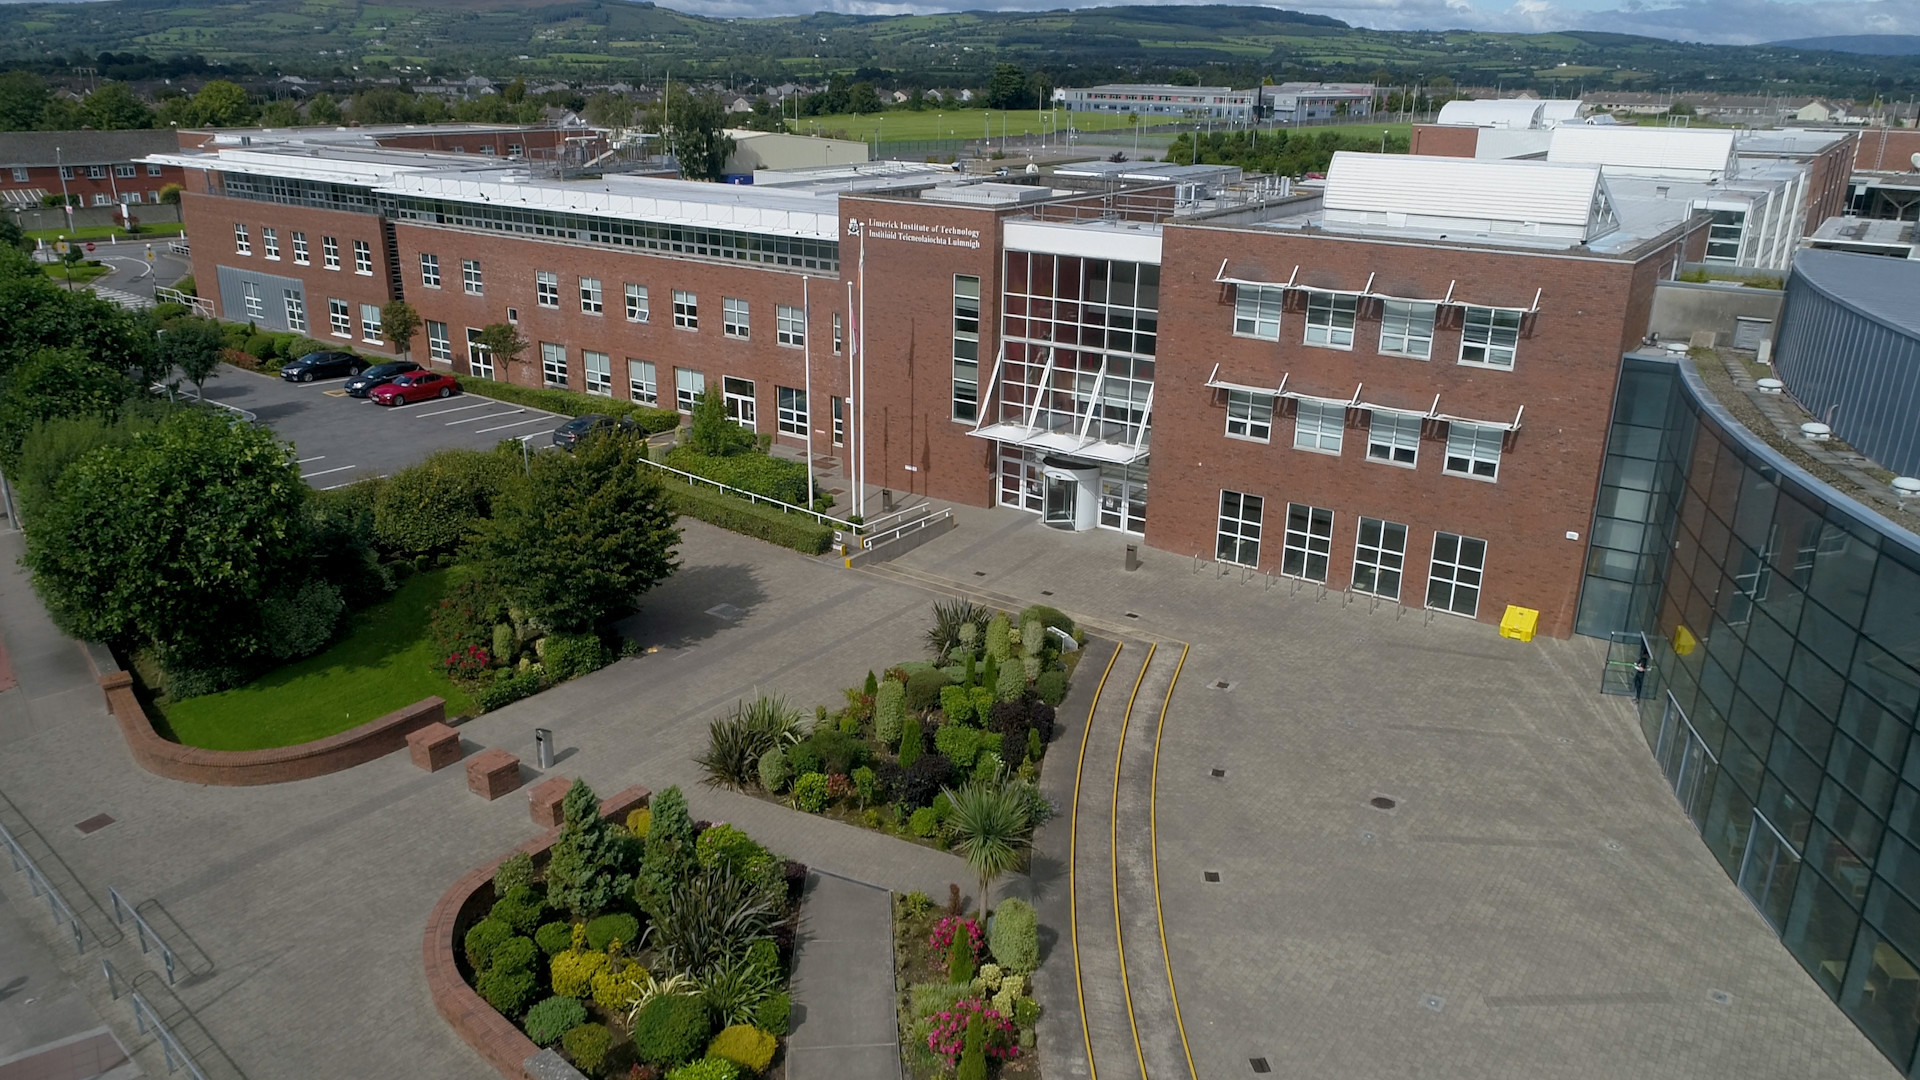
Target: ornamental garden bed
964,990
657,949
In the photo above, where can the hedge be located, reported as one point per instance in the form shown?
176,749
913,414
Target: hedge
802,534
568,403
762,474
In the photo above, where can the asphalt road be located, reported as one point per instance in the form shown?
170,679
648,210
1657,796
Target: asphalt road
340,439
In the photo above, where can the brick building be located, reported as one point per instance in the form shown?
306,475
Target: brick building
91,168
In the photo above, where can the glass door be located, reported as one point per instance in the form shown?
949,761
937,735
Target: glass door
1061,494
1683,756
1767,871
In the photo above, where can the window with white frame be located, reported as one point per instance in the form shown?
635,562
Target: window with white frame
546,288
101,198
1474,450
66,172
19,175
470,277
592,300
430,271
1249,416
296,310
329,253
839,421
637,303
125,172
1256,311
1453,579
643,385
370,323
789,326
256,305
270,243
1309,542
479,357
362,257
96,172
1319,425
1238,539
740,404
839,335
553,363
1330,319
1379,556
133,197
153,170
242,243
599,368
792,414
439,343
688,388
686,310
1394,437
340,318
300,253
1406,329
966,348
1489,337
733,317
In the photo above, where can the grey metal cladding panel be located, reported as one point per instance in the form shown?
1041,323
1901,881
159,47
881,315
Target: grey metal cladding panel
1832,356
273,287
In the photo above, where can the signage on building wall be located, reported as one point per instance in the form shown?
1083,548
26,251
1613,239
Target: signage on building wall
915,232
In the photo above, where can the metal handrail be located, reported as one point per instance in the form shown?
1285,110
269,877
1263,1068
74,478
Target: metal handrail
38,884
163,294
170,1048
867,543
140,929
877,523
180,246
824,519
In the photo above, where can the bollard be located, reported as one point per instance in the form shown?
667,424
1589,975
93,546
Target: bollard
543,747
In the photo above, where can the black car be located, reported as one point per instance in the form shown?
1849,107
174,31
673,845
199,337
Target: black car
322,365
569,433
362,384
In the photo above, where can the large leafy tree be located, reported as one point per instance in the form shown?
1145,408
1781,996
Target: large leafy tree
192,346
401,322
37,315
697,135
592,864
54,383
114,107
579,538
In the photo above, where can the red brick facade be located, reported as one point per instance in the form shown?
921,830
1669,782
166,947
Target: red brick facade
1445,140
98,184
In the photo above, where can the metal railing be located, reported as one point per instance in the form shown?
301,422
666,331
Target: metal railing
201,305
38,884
179,247
122,909
148,1021
824,519
886,536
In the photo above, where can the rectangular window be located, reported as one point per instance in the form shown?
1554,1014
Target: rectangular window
599,368
1489,337
330,253
300,254
362,257
688,387
546,288
1319,425
439,344
839,335
256,306
1394,437
1330,319
242,245
1453,581
1309,540
553,363
101,198
792,411
296,310
637,303
96,172
66,172
479,357
592,301
430,271
125,171
966,348
470,277
153,170
839,421
1474,450
1406,329
1239,530
733,317
1256,311
1249,416
370,323
131,196
740,405
642,384
789,326
270,243
340,318
1379,553
19,175
686,310
1723,235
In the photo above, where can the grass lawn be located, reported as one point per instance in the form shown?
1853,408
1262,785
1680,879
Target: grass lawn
907,126
155,231
384,662
81,273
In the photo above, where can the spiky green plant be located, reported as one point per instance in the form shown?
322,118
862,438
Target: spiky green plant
710,914
990,823
736,742
948,617
733,988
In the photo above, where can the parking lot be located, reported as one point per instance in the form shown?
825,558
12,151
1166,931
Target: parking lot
340,439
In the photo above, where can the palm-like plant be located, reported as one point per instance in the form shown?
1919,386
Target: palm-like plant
991,823
733,987
654,987
736,742
948,617
710,915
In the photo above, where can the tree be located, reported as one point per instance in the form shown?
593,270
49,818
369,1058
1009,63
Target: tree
38,314
170,194
991,824
23,100
697,136
863,98
1007,88
221,103
503,343
670,855
592,864
323,109
611,110
401,323
53,445
282,113
12,237
578,539
54,383
712,432
192,346
1680,108
113,107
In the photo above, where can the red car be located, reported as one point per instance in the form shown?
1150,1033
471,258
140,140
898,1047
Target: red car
416,386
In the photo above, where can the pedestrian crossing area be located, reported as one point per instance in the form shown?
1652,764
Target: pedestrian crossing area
127,300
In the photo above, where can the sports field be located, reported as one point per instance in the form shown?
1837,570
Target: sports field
908,126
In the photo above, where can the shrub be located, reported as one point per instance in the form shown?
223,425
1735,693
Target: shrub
572,972
1047,616
522,908
588,1044
1012,683
802,534
889,712
431,508
640,822
745,1046
999,639
764,956
959,961
552,1018
1034,746
771,1014
922,780
508,689
726,847
554,937
618,989
514,954
960,743
736,742
810,792
260,345
956,703
973,1059
592,861
866,785
829,750
505,643
506,989
1026,1011
774,770
1033,638
1051,686
912,741
482,939
924,823
1014,936
956,624
569,656
301,622
568,403
670,1029
707,1068
759,473
610,928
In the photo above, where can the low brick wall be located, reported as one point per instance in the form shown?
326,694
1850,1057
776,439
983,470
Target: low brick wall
491,1035
242,768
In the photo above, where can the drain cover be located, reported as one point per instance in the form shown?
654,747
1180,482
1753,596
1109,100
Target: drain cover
1217,773
1719,997
1221,684
1381,802
1046,592
1259,1065
94,824
1211,875
979,573
724,611
1132,615
1433,1003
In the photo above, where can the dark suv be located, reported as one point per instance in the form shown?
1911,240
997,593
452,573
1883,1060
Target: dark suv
322,365
378,375
569,433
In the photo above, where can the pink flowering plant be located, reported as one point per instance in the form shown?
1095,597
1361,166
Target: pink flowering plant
468,663
949,1036
948,926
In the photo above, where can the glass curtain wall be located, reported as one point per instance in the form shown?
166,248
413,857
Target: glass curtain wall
1079,331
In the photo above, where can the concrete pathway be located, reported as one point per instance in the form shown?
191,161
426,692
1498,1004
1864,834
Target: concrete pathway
844,1023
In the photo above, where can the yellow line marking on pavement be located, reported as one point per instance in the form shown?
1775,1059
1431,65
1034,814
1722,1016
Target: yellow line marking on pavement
334,393
1113,853
1073,851
1153,848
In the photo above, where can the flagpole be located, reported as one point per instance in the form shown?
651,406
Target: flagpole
852,440
806,353
863,372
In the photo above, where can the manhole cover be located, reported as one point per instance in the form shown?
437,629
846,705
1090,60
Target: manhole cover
1046,592
979,573
1211,875
1132,615
94,824
1381,802
724,611
1217,773
1222,684
1259,1065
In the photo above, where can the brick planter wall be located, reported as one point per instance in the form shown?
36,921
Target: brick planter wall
241,768
491,1035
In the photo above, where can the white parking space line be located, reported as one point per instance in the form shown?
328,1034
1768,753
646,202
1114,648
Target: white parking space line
486,416
462,408
350,483
317,457
323,472
503,427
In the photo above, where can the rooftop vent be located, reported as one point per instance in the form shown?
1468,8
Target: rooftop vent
1815,431
1905,486
1770,386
